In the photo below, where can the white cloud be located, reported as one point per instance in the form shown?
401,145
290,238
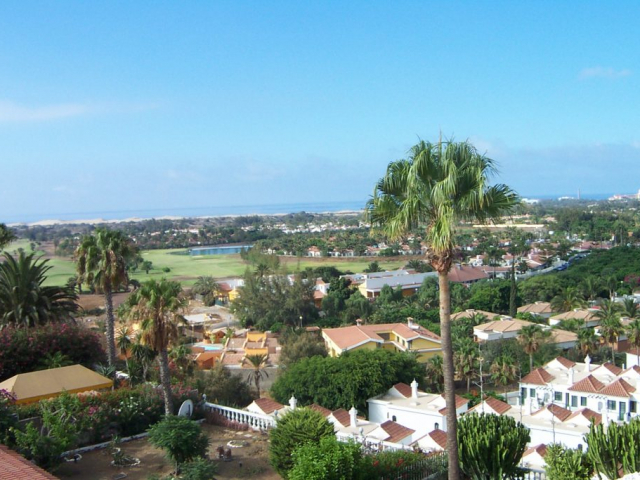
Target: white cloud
14,112
602,72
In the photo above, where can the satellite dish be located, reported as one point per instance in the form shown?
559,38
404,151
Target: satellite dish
186,409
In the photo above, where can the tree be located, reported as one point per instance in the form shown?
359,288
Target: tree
591,287
158,306
566,464
615,449
294,429
146,266
327,460
208,288
629,308
439,185
24,299
257,363
503,371
633,332
373,267
101,261
587,341
6,236
610,325
223,387
465,357
434,374
180,355
531,338
568,299
181,439
299,345
491,446
124,342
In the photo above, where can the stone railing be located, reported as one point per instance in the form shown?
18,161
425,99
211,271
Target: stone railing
371,445
255,421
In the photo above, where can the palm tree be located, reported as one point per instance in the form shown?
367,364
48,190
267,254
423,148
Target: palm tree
158,306
181,356
610,330
587,341
24,299
503,371
629,308
530,339
433,372
517,248
257,362
611,283
465,359
439,185
633,332
6,236
142,354
124,342
208,288
591,287
101,261
568,299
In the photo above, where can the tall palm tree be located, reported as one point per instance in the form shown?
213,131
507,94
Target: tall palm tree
465,359
101,261
633,332
531,338
24,299
158,306
433,372
437,186
257,362
568,299
142,354
208,288
629,308
611,283
587,341
503,371
124,342
610,330
591,287
182,358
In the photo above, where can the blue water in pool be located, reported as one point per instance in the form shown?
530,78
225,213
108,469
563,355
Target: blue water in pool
218,250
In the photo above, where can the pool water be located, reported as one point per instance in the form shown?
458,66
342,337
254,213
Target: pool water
218,250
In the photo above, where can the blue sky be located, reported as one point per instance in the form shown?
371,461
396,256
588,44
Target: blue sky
137,105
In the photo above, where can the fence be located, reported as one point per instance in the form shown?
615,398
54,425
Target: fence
433,467
253,420
535,475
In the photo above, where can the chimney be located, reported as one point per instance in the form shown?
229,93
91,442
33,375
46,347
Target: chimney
587,363
414,389
293,402
353,419
571,372
359,321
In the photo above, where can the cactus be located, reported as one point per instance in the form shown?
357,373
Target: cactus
616,449
491,446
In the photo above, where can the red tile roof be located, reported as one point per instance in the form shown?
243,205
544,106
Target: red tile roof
324,411
459,403
342,416
403,389
539,376
561,413
587,413
440,437
267,405
566,362
15,467
498,406
540,449
396,431
589,384
619,388
612,368
465,273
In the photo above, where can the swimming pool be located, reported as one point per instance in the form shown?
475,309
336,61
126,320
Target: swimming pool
209,347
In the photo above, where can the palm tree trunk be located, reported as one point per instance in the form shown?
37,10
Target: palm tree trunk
531,361
257,381
448,371
165,380
513,309
110,333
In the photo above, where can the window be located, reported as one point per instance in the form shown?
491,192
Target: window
633,406
436,426
523,393
393,418
583,401
574,401
557,396
611,405
532,392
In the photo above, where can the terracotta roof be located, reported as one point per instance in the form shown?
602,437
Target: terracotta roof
225,287
565,362
498,406
342,416
440,437
559,412
410,333
588,414
459,403
267,405
612,368
537,307
619,388
503,326
403,389
348,337
539,376
16,467
579,314
318,295
589,384
563,336
470,313
324,411
396,431
540,449
465,273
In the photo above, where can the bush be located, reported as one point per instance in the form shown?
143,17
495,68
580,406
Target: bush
7,417
198,469
182,439
328,460
392,464
491,446
293,430
567,464
22,350
223,387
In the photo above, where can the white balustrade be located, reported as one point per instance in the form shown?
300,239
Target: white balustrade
254,420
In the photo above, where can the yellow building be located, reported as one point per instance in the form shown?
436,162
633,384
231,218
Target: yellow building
399,337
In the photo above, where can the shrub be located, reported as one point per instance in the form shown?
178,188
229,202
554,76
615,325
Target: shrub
328,460
293,430
182,439
198,469
391,464
616,449
491,446
223,387
22,350
567,464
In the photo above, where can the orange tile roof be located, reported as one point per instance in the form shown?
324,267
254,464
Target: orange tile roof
566,362
342,416
267,405
539,376
396,431
348,337
537,307
460,401
465,273
13,466
612,368
588,414
540,449
619,388
498,406
403,389
324,411
440,437
559,412
589,384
